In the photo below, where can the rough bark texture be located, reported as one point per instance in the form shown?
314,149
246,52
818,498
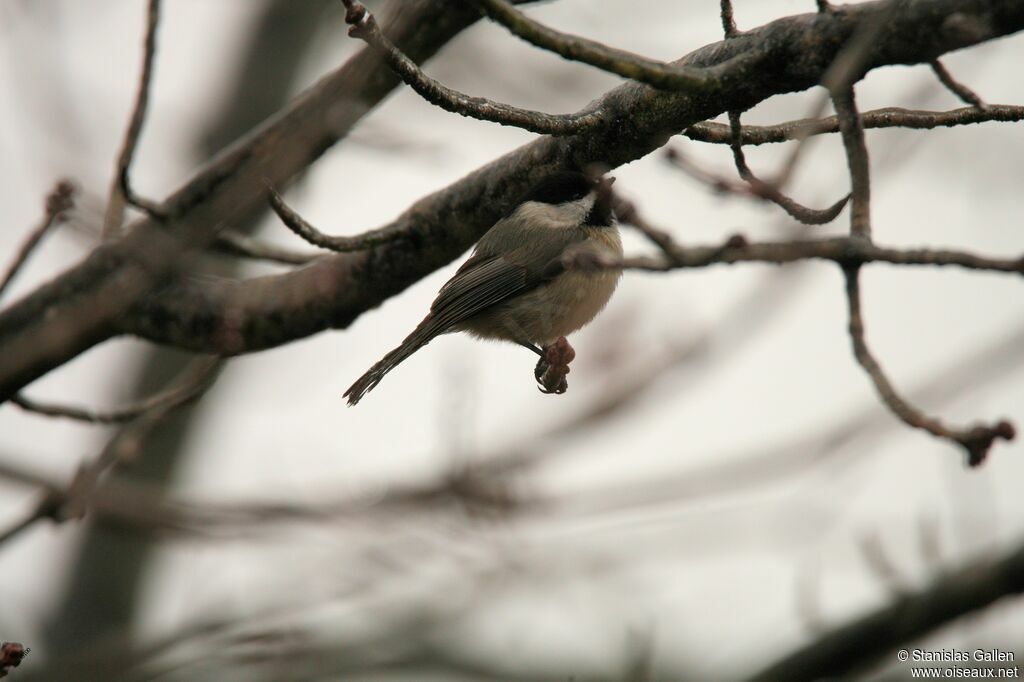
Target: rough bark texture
111,292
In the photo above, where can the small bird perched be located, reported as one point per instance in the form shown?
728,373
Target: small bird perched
515,286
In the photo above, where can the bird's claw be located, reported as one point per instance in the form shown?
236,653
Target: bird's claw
553,366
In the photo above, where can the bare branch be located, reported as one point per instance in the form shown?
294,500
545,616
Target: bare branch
769,192
175,396
889,117
652,72
364,26
116,294
976,440
848,66
863,641
58,201
122,191
627,213
72,502
235,243
46,328
728,21
957,88
844,251
297,224
753,187
857,160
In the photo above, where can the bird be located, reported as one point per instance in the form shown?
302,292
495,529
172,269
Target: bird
515,285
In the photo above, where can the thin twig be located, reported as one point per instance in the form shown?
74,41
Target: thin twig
728,21
364,26
627,213
297,224
235,243
959,89
857,159
122,191
768,191
174,396
976,440
846,69
58,202
878,561
653,72
73,501
888,117
844,251
754,187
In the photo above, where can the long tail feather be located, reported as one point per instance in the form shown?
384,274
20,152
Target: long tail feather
420,337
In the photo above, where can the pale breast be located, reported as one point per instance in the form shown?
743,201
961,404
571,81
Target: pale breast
571,301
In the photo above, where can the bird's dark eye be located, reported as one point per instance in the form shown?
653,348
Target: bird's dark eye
559,188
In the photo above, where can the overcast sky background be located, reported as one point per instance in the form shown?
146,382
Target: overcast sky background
713,578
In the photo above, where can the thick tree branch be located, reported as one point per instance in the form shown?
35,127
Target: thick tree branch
89,302
889,117
865,640
231,317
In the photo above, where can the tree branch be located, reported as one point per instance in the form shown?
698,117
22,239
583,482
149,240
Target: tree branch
864,640
49,327
235,243
72,502
122,190
728,20
769,192
957,88
857,160
844,251
90,302
889,117
364,26
175,396
675,76
297,224
58,202
976,441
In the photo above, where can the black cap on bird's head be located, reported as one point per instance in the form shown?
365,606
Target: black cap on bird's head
562,187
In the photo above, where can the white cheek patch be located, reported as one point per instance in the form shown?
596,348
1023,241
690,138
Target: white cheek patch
536,214
569,214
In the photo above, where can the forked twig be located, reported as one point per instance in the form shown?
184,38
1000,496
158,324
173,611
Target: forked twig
58,202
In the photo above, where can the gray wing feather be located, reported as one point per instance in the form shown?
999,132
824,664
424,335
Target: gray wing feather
482,282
